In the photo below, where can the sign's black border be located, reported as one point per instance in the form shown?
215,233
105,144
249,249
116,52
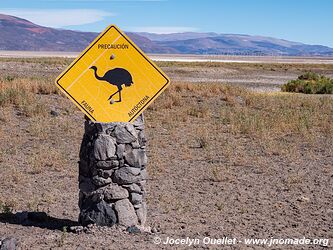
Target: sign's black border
150,100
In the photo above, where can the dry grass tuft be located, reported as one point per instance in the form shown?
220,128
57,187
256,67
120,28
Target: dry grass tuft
23,93
244,112
227,125
281,114
35,85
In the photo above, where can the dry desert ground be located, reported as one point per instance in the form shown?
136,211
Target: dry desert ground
229,155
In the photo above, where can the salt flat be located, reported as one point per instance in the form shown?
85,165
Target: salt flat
185,58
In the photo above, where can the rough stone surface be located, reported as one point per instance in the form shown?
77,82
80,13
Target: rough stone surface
83,168
130,128
136,198
104,173
142,138
104,147
126,213
104,128
142,213
86,185
139,123
144,175
123,135
120,150
115,192
133,188
97,213
112,174
8,244
127,175
139,229
108,164
100,181
95,196
136,157
135,144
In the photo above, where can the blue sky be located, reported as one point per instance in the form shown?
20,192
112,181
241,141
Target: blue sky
307,21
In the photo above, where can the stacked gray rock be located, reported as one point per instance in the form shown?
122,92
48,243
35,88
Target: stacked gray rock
112,174
8,244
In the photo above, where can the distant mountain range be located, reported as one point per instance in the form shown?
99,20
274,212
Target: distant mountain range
20,34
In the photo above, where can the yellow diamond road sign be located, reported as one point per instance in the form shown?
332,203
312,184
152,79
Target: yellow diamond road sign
112,80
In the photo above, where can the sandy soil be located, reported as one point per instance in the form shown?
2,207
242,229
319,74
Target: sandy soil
257,76
207,179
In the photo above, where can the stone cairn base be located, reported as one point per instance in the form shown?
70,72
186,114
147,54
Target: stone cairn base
112,174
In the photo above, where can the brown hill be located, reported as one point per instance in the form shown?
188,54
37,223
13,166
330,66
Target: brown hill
20,34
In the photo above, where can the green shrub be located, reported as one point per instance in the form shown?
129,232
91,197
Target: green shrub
9,78
310,83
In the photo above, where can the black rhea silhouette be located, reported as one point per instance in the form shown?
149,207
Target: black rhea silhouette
116,77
